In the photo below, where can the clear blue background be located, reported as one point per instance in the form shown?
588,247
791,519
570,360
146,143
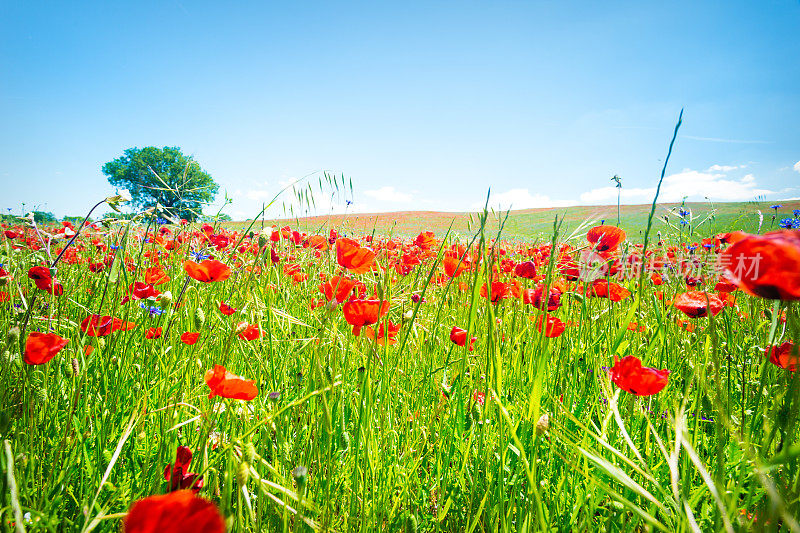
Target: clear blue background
425,105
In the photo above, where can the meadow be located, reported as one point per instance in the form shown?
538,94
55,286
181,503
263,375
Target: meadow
522,372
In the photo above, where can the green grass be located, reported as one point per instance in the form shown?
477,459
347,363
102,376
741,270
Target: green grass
392,436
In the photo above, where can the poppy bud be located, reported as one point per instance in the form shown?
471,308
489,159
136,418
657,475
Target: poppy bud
300,475
410,525
249,452
13,335
122,197
3,281
263,238
101,343
199,318
240,327
331,305
41,394
543,424
243,474
408,315
75,368
361,371
165,300
344,441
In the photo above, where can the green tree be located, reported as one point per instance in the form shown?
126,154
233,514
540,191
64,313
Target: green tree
44,217
163,177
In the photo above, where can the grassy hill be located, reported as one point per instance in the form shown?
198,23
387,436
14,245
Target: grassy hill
706,218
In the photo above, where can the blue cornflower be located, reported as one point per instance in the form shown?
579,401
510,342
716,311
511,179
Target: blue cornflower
161,221
114,247
151,309
199,255
684,222
602,222
691,247
775,207
684,212
790,223
796,213
707,245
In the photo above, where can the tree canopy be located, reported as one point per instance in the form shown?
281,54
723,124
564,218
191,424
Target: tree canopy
163,177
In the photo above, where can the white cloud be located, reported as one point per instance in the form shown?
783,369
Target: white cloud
797,166
721,168
389,194
694,184
523,199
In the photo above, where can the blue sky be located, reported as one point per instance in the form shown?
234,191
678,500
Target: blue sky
424,105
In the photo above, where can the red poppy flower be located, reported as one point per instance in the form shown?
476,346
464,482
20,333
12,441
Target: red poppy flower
613,291
425,240
360,313
554,326
41,347
250,332
535,297
189,338
525,270
226,309
227,385
766,265
459,337
500,291
318,242
208,271
452,267
657,279
629,375
353,256
175,512
101,326
605,238
785,356
697,303
155,276
383,333
140,291
725,285
337,288
44,281
178,474
152,333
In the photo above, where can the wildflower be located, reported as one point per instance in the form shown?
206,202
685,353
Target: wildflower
249,332
175,512
199,256
629,375
500,291
227,385
785,356
41,347
453,266
359,313
189,338
226,309
207,271
102,326
151,309
155,276
354,257
178,475
790,223
553,326
385,331
605,238
152,333
525,270
459,337
338,288
766,265
696,304
43,279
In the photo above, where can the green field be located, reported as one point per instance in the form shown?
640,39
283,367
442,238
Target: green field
708,219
